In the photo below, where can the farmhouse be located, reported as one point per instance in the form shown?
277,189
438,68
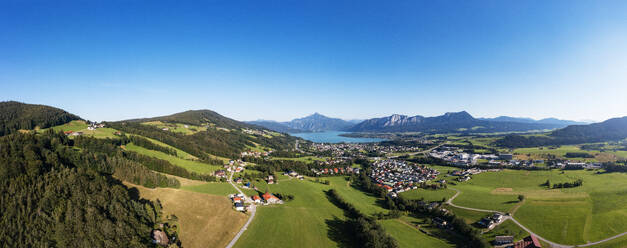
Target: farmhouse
256,199
239,207
270,198
503,240
528,242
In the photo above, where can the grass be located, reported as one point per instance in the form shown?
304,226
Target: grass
309,220
177,127
428,194
81,126
301,159
408,236
579,215
366,203
507,228
190,165
204,220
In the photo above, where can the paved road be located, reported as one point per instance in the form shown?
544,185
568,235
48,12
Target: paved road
553,244
253,210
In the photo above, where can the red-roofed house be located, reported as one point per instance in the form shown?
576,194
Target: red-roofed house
528,242
270,198
237,199
256,199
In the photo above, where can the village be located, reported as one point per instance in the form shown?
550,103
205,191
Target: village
399,176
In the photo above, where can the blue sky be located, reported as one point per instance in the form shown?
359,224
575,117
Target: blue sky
112,60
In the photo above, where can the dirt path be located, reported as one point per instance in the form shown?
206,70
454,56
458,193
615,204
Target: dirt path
253,210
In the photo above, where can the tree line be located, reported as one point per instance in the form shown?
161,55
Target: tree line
16,115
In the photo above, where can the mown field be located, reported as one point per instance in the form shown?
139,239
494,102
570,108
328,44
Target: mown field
177,127
190,165
307,221
578,215
204,220
81,126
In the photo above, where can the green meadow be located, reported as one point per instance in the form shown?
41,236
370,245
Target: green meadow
578,215
190,165
177,127
428,194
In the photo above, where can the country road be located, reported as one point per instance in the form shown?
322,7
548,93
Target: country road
553,244
253,210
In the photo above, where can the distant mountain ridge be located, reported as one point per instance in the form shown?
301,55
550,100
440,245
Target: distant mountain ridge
612,129
449,122
554,121
312,123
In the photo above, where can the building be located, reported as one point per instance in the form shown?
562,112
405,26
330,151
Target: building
503,240
239,206
159,237
256,199
528,242
270,198
506,156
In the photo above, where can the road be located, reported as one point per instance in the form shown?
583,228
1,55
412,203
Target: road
253,210
553,244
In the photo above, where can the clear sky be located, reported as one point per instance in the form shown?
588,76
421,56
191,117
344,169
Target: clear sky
112,60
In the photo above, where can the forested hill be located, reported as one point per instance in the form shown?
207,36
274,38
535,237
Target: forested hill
16,115
213,134
52,195
612,129
198,118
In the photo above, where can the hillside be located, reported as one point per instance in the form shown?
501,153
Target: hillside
214,135
612,129
275,126
557,123
55,196
16,115
450,122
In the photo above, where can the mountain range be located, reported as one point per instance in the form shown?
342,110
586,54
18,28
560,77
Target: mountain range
449,122
312,123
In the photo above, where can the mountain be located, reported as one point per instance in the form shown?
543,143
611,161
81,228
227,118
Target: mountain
317,122
612,129
16,115
449,122
275,126
548,121
313,123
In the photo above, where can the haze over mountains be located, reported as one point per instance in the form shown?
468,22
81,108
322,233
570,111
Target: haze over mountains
449,122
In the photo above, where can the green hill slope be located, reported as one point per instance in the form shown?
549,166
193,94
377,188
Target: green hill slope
16,115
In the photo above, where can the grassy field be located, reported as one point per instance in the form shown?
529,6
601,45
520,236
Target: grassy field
307,221
204,220
579,215
190,165
81,126
428,195
408,236
366,203
305,159
177,127
507,228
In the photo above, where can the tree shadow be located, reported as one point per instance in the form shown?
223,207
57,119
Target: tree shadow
341,232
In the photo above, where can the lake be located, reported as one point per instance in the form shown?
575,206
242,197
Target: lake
333,137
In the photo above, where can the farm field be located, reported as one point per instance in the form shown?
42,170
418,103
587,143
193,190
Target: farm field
81,126
204,220
302,222
428,195
190,165
578,215
408,236
223,189
364,202
177,127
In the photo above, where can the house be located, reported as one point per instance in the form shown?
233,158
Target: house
270,198
293,174
439,222
160,237
486,223
220,173
239,206
256,199
497,217
237,199
503,240
528,242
